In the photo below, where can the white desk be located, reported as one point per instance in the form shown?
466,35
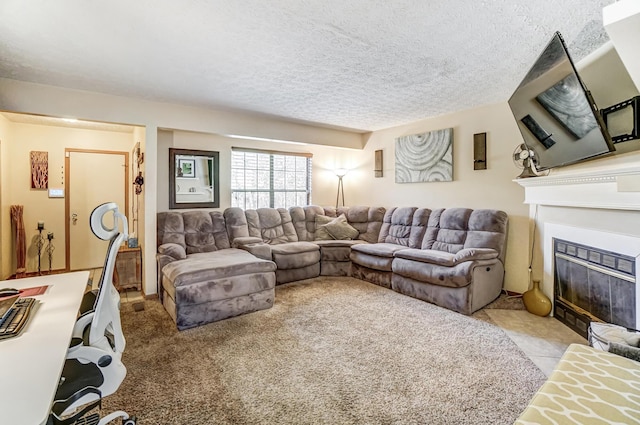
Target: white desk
31,363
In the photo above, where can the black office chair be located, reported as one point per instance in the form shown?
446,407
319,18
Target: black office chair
94,368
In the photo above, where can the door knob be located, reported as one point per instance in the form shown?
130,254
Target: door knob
74,218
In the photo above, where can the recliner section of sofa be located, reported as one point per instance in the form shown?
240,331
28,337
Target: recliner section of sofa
450,257
401,228
459,264
295,259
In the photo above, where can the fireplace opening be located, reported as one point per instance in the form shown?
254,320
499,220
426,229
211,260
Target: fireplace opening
592,284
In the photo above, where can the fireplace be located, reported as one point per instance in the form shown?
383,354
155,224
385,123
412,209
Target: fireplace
595,208
593,275
593,284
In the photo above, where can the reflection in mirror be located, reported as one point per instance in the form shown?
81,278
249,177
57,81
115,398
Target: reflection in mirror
193,179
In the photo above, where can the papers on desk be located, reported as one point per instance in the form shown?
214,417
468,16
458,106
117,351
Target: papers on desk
33,291
29,292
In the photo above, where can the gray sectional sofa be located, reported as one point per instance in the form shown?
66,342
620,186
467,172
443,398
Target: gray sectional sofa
213,265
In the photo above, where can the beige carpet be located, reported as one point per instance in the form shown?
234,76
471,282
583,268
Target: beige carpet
331,351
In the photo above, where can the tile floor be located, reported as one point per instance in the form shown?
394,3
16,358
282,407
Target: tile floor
543,339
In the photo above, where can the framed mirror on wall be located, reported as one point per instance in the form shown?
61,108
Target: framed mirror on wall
194,179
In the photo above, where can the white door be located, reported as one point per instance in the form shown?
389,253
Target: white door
94,178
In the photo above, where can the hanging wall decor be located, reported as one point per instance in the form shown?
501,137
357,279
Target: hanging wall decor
425,157
39,170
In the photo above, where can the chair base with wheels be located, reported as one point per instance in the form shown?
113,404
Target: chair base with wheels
86,415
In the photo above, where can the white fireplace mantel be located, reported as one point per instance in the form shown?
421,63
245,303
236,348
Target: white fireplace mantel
617,189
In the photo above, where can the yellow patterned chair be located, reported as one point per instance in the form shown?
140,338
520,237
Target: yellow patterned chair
588,386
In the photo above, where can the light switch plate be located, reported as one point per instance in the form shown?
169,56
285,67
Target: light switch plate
56,193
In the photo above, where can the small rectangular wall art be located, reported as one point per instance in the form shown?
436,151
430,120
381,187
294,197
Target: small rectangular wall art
377,168
39,170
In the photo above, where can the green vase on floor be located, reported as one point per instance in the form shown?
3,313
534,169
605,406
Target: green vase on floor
535,301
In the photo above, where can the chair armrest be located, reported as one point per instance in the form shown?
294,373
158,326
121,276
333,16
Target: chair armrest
82,322
92,354
172,250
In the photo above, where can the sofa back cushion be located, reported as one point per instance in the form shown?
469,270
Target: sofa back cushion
453,229
236,223
195,231
405,226
366,220
488,229
273,225
304,221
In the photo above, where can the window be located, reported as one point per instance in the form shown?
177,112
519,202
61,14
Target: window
269,179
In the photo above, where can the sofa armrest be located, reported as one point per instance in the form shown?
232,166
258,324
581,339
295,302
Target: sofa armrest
260,250
246,240
472,254
162,260
446,259
172,250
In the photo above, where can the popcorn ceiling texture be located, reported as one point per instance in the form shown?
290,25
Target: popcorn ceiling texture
360,64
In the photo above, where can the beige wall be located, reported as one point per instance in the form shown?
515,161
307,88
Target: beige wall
38,206
325,160
6,235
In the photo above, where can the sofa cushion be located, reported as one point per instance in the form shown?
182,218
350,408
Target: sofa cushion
377,256
274,225
195,231
170,227
208,266
339,229
405,226
378,249
321,233
295,255
339,243
453,229
452,276
366,220
236,222
488,229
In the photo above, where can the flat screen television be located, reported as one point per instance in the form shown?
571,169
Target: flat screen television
555,112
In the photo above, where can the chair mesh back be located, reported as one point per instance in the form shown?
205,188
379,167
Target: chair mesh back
106,329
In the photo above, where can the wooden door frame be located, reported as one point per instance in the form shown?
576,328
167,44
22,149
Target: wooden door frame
67,202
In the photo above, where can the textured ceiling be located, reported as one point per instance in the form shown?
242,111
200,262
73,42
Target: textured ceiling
359,64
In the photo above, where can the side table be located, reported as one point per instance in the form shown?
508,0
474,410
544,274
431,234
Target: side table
128,271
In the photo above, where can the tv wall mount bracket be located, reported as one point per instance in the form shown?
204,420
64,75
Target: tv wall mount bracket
634,103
